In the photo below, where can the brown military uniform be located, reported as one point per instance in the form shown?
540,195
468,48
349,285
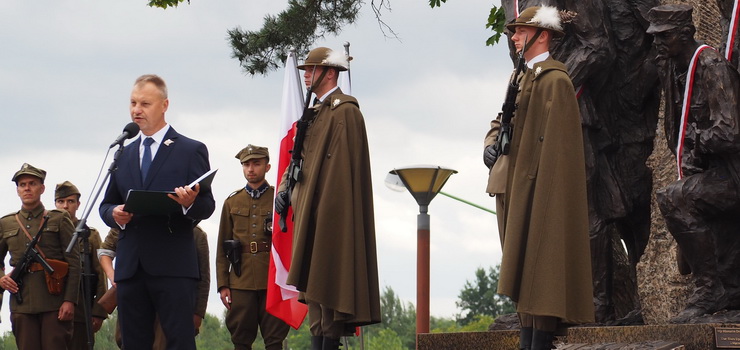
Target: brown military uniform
201,244
248,220
38,305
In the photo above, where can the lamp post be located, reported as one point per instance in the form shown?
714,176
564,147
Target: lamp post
424,182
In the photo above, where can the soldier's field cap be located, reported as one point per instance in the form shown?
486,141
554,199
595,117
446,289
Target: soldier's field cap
65,189
252,152
28,169
668,17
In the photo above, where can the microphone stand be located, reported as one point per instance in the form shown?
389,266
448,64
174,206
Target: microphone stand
82,234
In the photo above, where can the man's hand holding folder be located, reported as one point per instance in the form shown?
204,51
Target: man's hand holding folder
166,202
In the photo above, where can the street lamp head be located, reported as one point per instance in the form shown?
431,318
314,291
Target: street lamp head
393,182
423,181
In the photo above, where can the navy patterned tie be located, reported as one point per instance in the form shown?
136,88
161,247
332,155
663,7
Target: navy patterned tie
146,160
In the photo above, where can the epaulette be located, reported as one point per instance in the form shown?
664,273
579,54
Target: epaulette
235,192
58,212
9,214
340,99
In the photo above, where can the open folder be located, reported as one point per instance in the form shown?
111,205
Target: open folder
157,202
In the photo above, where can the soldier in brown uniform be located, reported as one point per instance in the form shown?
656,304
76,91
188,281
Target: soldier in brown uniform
540,189
107,252
42,320
334,262
67,197
245,235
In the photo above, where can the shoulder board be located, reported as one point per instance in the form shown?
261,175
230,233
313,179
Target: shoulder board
235,192
11,214
340,99
54,212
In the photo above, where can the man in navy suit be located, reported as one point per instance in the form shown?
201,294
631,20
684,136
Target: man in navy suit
157,265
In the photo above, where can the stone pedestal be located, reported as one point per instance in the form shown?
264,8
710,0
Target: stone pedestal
684,336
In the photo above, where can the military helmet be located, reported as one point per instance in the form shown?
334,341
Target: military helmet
326,57
543,17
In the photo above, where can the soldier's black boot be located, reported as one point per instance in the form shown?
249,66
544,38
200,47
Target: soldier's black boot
542,340
709,296
317,342
331,344
525,338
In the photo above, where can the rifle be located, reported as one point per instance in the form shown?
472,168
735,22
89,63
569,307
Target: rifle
30,256
296,161
501,146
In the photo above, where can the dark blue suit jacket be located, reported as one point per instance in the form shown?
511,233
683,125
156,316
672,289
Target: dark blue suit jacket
162,245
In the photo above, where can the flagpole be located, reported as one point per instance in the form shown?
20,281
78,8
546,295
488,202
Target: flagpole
349,58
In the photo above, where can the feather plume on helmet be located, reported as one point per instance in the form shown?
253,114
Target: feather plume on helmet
324,56
543,17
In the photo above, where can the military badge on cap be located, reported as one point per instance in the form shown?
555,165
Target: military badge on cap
252,152
28,169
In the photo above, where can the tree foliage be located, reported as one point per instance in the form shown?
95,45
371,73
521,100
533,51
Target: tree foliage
496,21
386,339
297,28
480,298
305,21
165,3
213,334
398,317
8,342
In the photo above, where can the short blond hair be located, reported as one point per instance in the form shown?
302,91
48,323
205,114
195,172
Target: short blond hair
154,79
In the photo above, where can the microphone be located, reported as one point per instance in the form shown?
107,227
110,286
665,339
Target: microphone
129,131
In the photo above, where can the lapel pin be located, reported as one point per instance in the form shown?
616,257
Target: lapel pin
168,142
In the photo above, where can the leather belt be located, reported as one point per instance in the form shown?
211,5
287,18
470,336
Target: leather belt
257,247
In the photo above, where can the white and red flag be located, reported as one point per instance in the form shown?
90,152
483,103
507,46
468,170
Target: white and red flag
732,32
282,299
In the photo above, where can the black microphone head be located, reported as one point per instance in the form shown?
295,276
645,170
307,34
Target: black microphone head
132,129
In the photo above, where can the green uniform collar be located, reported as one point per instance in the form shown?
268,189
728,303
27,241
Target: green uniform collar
33,213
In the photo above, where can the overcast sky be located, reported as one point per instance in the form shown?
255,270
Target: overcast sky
67,68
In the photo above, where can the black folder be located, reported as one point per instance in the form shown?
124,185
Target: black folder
157,202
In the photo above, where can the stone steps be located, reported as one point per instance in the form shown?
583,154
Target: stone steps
654,345
655,337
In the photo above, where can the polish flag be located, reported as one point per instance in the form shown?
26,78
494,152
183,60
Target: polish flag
282,299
